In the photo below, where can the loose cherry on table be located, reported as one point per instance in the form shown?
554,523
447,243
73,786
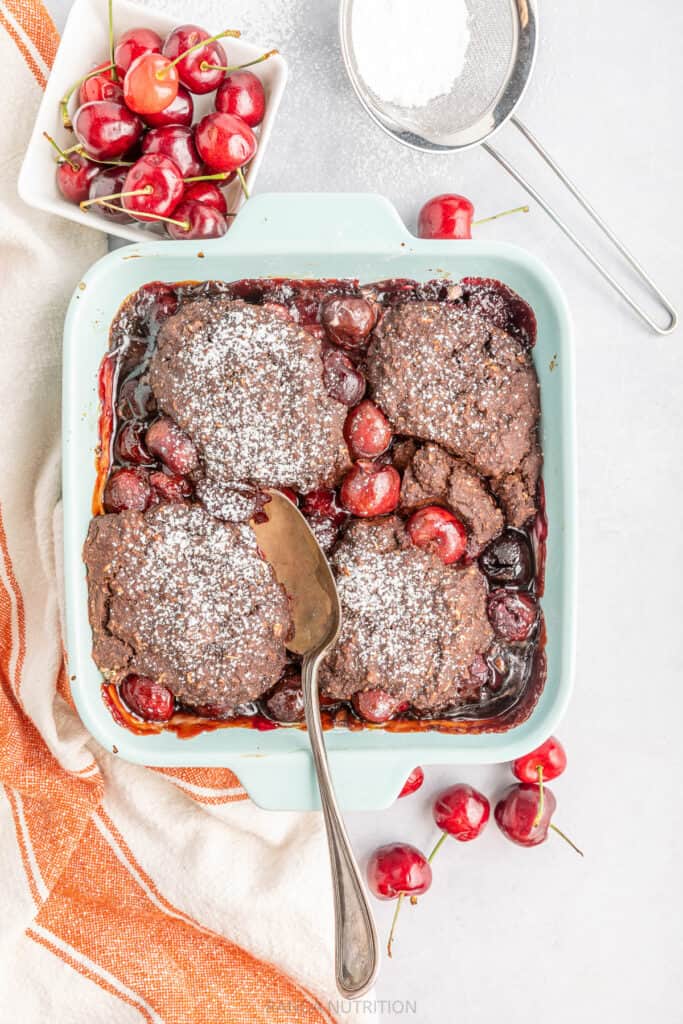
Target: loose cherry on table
195,220
436,529
395,871
524,812
462,812
242,93
342,378
177,143
369,489
542,765
207,193
148,699
413,782
367,431
450,216
133,44
106,129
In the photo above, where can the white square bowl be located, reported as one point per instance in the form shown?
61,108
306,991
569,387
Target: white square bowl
85,44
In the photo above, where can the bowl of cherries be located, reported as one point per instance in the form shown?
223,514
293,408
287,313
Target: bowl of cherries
149,128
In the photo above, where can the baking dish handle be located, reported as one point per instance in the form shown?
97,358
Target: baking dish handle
296,222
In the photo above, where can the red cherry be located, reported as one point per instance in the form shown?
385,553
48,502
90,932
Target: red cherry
499,304
206,193
375,706
436,529
133,44
516,814
224,142
110,181
546,762
370,490
74,177
343,380
242,93
127,489
148,699
154,185
462,812
100,87
105,129
446,216
367,430
170,488
196,221
413,782
176,142
195,69
151,84
323,502
285,703
349,320
512,614
169,443
130,444
180,111
397,870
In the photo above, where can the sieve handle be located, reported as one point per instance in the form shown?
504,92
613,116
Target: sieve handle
590,210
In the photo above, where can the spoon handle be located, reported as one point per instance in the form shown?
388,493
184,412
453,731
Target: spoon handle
356,948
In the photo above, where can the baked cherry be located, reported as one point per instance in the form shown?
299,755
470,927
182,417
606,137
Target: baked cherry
135,399
513,615
109,181
151,83
127,489
348,320
508,559
195,67
367,431
343,380
105,129
180,111
397,870
462,812
170,487
206,193
446,216
242,93
100,86
524,813
375,706
369,489
148,699
224,142
413,782
323,502
436,529
153,187
285,702
543,764
133,44
176,142
494,301
74,176
130,444
194,220
168,442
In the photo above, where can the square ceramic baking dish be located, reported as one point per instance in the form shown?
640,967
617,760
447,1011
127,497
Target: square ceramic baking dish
84,44
319,236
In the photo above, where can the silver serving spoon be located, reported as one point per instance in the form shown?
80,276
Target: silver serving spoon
301,567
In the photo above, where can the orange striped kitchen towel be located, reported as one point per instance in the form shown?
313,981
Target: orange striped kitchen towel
127,894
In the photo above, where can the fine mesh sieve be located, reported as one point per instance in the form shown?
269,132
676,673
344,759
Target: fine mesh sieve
498,65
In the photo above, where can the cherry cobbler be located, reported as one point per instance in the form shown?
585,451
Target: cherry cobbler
403,419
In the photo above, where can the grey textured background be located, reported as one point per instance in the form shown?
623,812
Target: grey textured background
511,934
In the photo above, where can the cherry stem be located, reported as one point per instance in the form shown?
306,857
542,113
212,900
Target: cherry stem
64,102
146,191
205,66
81,150
219,176
233,32
541,797
566,839
243,182
394,919
184,224
110,13
504,213
61,152
439,843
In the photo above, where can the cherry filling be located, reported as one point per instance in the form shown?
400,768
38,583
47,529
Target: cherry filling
152,460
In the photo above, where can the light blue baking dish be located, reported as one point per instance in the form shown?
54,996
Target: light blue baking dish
320,236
